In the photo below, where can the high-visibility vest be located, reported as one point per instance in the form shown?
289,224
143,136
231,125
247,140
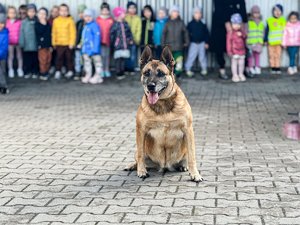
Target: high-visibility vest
255,33
276,28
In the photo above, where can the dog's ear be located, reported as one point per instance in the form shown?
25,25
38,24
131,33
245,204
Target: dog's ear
167,57
146,56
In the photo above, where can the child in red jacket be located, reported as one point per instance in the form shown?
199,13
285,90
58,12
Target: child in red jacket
236,48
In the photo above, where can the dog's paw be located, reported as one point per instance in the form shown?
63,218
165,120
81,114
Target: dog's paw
196,177
130,167
143,174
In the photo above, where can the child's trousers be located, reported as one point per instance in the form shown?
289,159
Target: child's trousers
88,64
31,62
64,54
3,83
196,50
254,59
78,63
237,65
11,54
105,54
45,56
293,52
178,57
120,65
274,55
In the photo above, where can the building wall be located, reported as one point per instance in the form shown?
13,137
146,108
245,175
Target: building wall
186,7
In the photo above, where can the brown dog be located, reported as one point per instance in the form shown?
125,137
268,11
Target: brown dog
164,130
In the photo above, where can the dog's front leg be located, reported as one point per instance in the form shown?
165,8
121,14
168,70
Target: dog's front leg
140,153
192,165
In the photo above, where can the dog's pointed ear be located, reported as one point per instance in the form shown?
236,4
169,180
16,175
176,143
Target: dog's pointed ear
167,57
146,56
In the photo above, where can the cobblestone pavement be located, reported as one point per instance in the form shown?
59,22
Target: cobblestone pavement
63,147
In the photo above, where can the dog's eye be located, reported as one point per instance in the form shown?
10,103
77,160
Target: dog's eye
160,74
147,73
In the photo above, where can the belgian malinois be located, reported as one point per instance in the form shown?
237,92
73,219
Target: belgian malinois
164,130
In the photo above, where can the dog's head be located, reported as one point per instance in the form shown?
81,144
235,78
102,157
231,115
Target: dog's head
157,75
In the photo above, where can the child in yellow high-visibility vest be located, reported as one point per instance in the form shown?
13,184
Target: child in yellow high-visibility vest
273,37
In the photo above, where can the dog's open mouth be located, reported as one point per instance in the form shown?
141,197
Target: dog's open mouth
153,97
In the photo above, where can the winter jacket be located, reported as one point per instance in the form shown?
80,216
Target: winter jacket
175,34
79,29
63,31
291,34
120,35
158,30
135,24
236,45
105,25
27,39
43,35
14,28
147,32
4,40
91,39
198,31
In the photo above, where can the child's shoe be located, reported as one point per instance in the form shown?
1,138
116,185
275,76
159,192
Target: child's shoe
27,76
57,75
273,71
278,71
120,76
290,70
34,76
203,72
96,79
85,79
252,70
242,77
63,70
108,74
4,90
190,73
235,78
20,72
44,77
52,70
295,69
11,73
77,76
69,74
257,70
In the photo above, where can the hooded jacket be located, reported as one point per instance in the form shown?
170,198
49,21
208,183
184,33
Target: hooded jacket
158,30
4,43
27,36
118,39
43,35
198,31
235,44
135,24
91,37
14,28
291,34
105,25
63,31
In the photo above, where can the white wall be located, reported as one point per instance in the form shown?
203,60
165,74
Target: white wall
186,7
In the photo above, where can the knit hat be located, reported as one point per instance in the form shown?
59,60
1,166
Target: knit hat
89,12
162,8
278,6
118,11
105,5
255,9
45,9
174,8
197,9
81,8
131,3
2,18
236,19
31,6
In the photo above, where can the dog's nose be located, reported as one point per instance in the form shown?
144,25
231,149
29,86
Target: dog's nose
151,86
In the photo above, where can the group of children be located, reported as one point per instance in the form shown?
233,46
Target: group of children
44,44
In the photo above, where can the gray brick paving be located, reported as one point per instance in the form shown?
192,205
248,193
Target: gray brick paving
63,146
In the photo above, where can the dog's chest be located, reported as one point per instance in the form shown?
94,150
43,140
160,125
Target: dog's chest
166,133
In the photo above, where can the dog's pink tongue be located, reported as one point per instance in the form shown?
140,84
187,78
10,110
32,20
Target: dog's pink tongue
152,98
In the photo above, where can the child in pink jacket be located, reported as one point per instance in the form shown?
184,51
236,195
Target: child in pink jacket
236,47
291,40
13,24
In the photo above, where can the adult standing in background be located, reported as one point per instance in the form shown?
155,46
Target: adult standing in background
223,9
2,9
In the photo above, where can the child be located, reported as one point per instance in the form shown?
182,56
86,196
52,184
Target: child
147,27
255,40
53,14
28,43
120,37
176,35
43,35
273,37
135,24
63,40
105,21
4,40
91,49
199,38
79,29
236,48
14,26
22,12
291,40
158,30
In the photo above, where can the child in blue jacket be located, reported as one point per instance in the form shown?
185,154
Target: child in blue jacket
162,18
3,54
91,48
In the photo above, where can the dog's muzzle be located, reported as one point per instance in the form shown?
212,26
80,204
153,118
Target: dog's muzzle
151,87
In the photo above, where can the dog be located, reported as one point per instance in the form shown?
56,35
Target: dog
164,130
